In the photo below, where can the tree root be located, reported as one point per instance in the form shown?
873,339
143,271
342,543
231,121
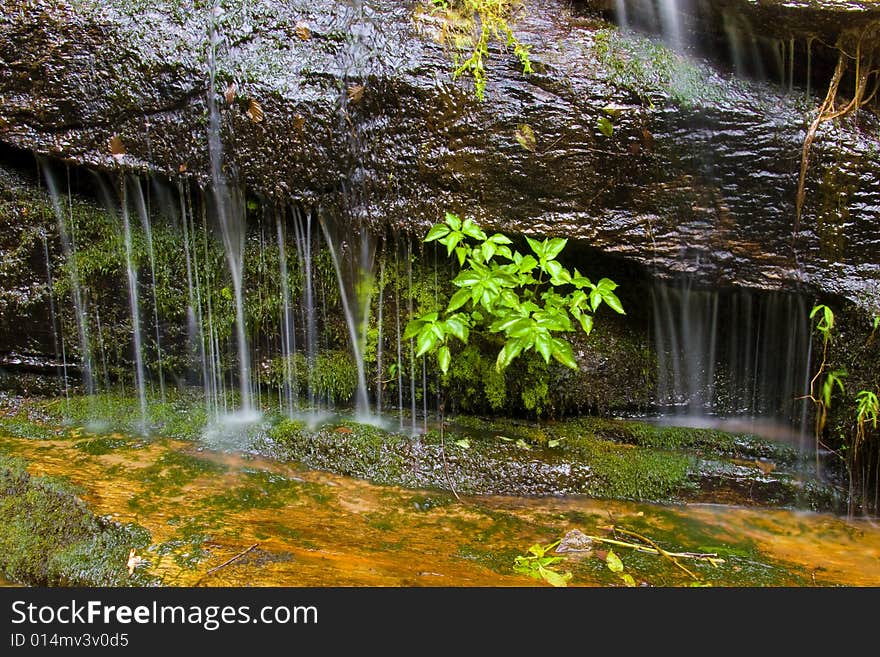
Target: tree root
861,49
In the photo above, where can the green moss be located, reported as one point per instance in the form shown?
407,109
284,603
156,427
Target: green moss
49,538
706,441
98,446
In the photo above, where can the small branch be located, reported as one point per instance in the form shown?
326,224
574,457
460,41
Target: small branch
443,453
228,561
660,550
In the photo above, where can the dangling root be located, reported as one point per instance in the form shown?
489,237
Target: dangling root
864,58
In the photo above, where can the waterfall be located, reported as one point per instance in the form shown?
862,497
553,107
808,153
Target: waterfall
134,304
355,298
229,208
302,225
144,215
670,19
288,337
68,247
738,356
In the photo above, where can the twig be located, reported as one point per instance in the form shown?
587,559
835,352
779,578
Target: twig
443,453
229,561
660,550
701,556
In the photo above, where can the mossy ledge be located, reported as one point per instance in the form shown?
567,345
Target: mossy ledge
49,537
568,458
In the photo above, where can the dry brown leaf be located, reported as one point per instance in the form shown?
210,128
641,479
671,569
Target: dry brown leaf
182,168
355,92
229,94
765,466
117,148
255,112
302,31
133,562
299,122
343,430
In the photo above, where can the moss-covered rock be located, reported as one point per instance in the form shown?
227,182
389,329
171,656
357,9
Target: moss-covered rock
48,537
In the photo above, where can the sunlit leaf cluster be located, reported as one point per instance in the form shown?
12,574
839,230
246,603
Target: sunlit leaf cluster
528,299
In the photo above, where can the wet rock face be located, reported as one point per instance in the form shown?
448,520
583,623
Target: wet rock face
355,109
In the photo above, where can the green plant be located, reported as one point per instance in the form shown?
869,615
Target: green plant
470,25
867,412
832,380
537,564
527,299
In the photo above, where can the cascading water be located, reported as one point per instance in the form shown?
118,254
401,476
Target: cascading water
144,215
134,304
290,398
229,209
737,359
68,247
355,297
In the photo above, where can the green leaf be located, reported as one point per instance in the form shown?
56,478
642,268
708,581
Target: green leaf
527,264
488,250
627,579
605,126
437,231
553,442
537,549
586,322
457,326
554,247
469,228
544,345
426,341
554,578
458,299
412,328
536,246
462,253
451,240
464,443
562,352
498,238
444,358
611,299
453,221
615,565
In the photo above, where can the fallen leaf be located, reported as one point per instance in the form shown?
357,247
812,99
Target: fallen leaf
615,565
255,112
229,94
302,31
133,562
343,430
627,579
526,137
182,168
765,466
299,122
355,92
647,139
117,148
464,443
